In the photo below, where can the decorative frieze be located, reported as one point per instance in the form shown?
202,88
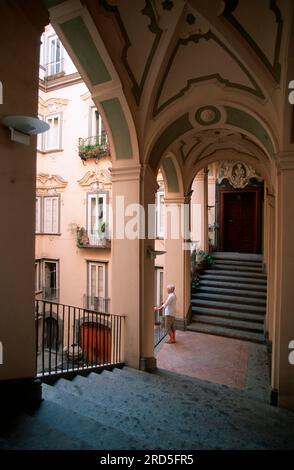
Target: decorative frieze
237,173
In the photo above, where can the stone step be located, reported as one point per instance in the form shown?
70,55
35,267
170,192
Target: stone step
176,393
229,291
236,272
155,437
226,332
149,406
185,414
258,318
228,262
233,286
237,307
229,267
99,436
229,323
222,297
221,276
237,256
29,433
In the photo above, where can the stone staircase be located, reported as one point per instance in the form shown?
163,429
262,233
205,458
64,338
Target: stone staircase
130,409
231,298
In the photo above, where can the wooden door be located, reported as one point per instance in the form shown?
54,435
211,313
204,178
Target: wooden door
240,222
96,343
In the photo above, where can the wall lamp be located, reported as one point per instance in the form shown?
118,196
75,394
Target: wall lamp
153,253
22,127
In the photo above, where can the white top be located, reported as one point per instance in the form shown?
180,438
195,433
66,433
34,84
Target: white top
170,304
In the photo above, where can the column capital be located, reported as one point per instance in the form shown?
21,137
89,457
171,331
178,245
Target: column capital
285,160
126,173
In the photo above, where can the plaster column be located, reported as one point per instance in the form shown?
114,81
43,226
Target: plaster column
270,262
282,369
148,190
132,266
19,51
177,258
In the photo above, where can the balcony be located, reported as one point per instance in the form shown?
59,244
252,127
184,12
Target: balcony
95,239
54,69
95,147
48,293
97,304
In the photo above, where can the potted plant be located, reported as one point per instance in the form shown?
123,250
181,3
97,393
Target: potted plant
82,237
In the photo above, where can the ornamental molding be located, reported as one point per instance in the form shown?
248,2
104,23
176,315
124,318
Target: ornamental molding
96,179
237,173
52,105
50,184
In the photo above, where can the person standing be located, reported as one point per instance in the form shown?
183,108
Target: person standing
169,307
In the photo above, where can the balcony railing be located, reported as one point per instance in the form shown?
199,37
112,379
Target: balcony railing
71,339
97,304
94,239
96,147
49,293
54,68
159,327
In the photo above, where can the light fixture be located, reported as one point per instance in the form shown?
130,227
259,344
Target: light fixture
22,127
153,253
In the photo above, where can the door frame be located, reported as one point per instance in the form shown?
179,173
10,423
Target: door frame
257,216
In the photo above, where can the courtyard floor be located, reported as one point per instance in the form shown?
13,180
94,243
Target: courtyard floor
225,361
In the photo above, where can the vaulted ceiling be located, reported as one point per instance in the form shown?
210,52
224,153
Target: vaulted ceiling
196,75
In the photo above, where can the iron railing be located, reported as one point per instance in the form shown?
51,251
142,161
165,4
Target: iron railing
96,146
50,293
159,327
54,68
93,239
97,304
71,339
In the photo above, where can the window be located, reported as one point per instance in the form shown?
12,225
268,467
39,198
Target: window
53,135
50,280
54,56
40,138
38,276
158,291
97,218
48,214
51,214
38,214
159,286
96,128
160,209
97,286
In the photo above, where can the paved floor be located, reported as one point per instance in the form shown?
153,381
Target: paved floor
231,362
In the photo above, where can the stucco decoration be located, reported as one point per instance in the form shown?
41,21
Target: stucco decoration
238,174
96,179
207,59
52,105
140,27
207,115
50,184
266,46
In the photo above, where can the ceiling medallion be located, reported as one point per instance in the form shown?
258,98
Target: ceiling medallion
238,174
207,115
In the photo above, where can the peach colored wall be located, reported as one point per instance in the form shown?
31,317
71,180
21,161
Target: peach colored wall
73,209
